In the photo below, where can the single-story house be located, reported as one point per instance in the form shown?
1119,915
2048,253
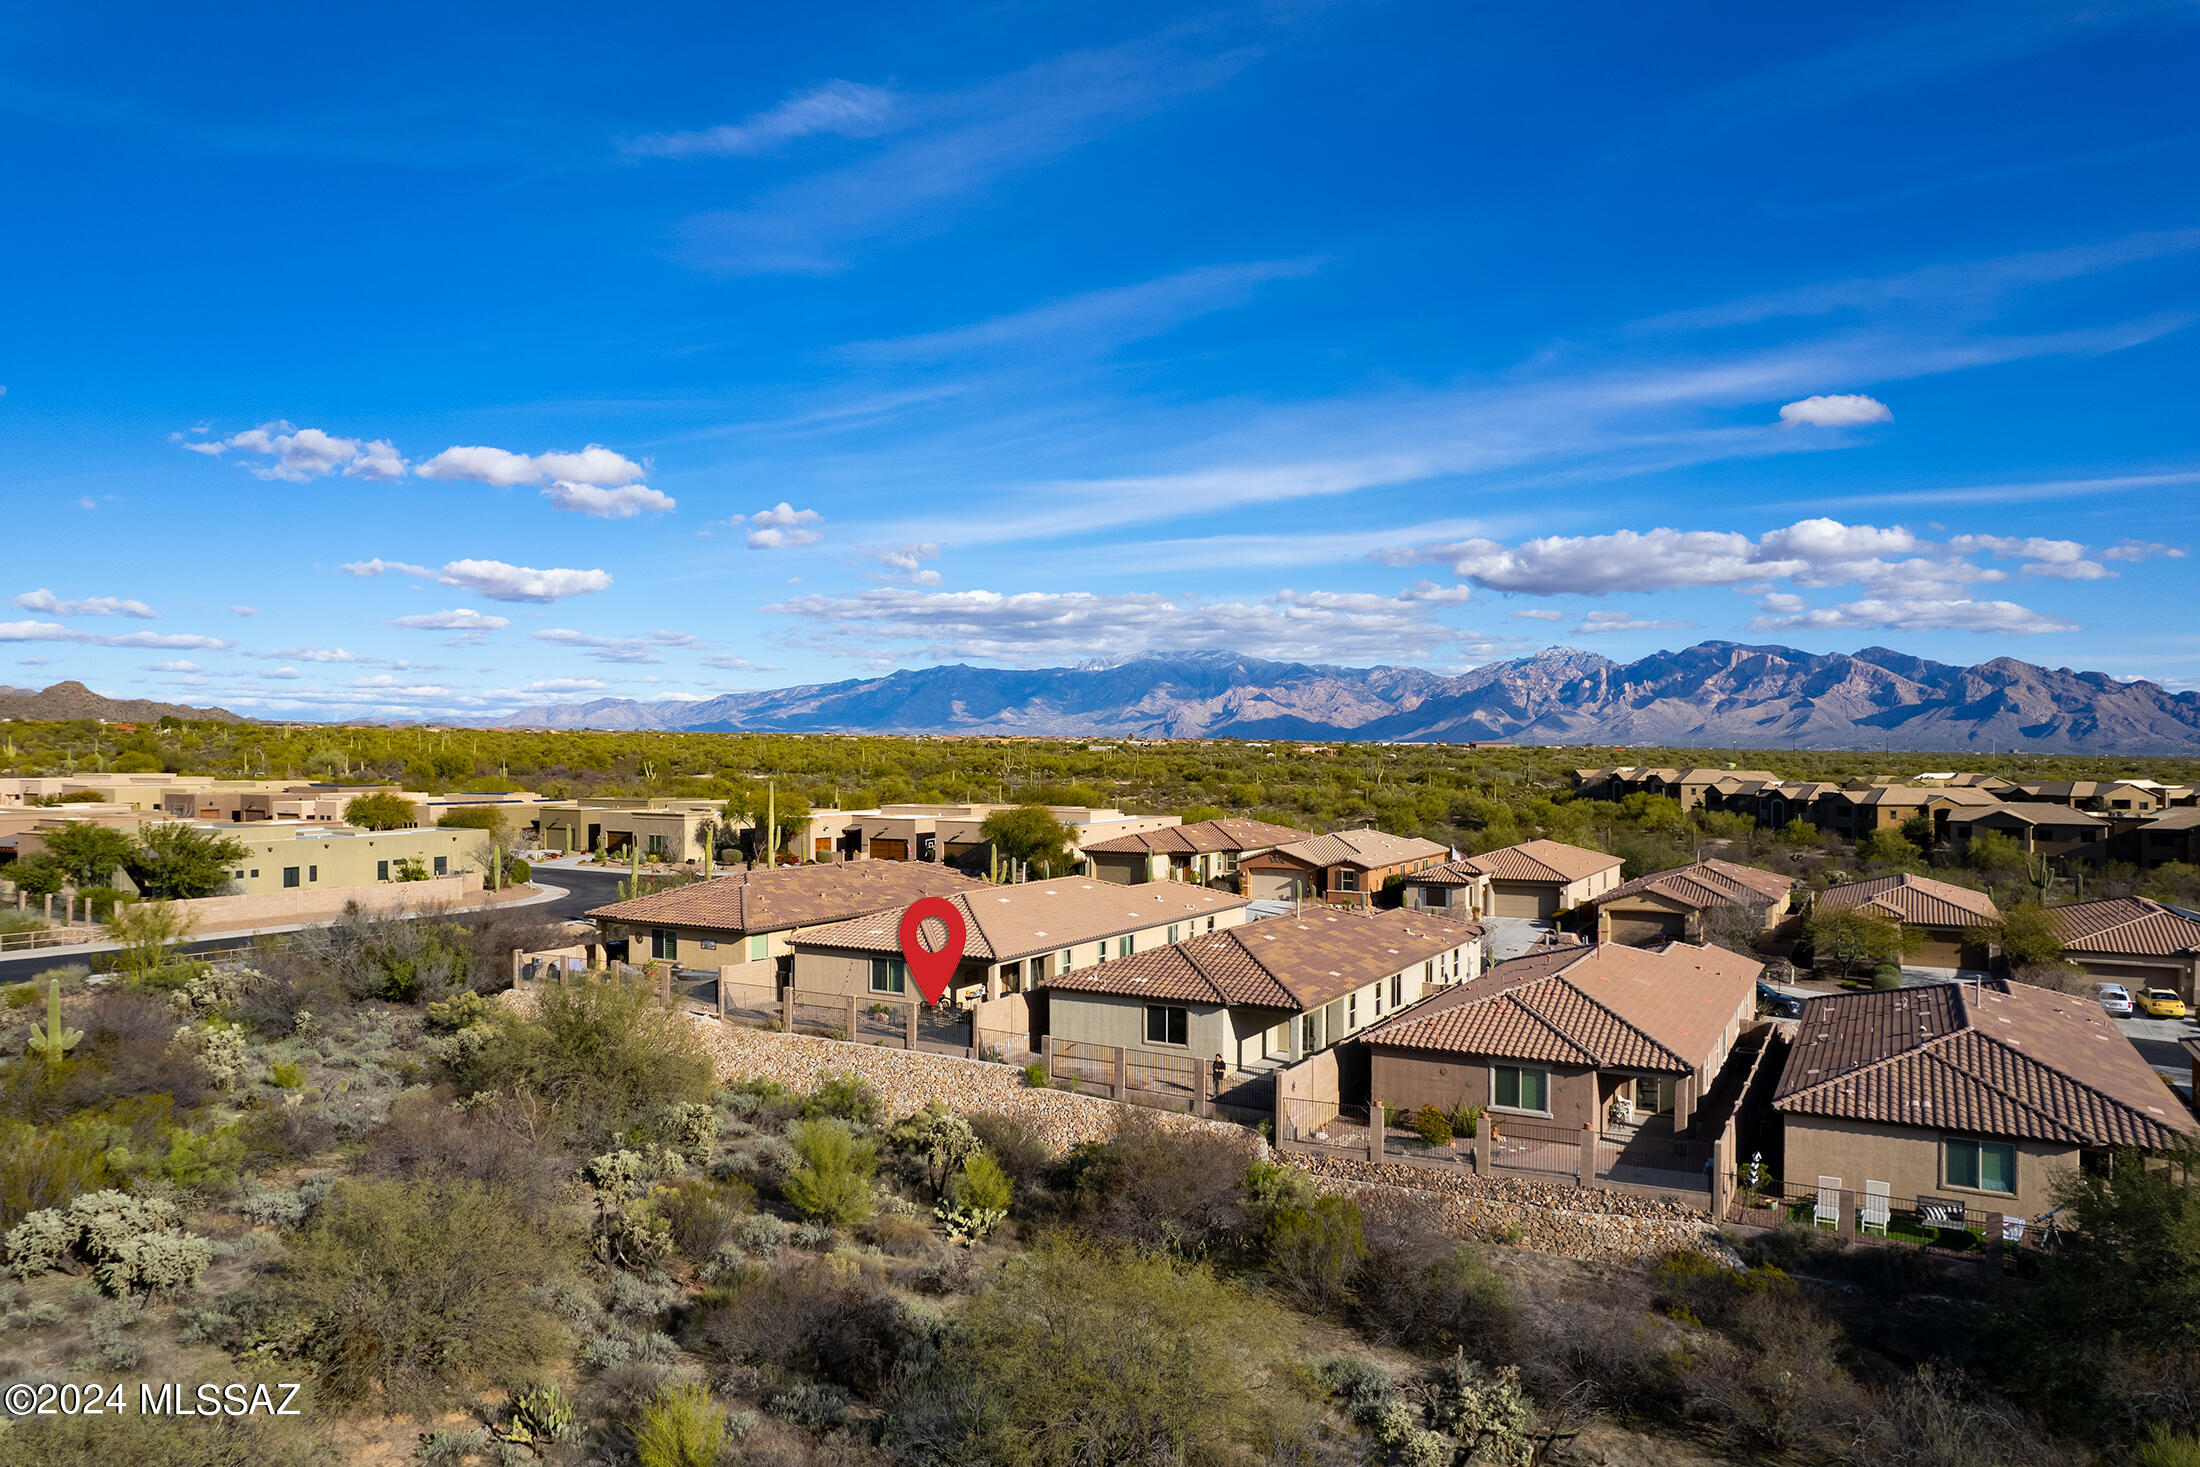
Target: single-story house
1458,889
1943,913
917,832
1348,868
1207,850
1981,1094
750,916
1267,991
2133,941
1672,904
1541,878
1561,1037
1015,937
2039,829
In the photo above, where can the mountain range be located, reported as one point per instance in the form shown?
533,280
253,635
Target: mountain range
74,700
1715,694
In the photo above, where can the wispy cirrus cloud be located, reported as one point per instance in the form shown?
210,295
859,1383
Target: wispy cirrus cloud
52,605
496,579
53,631
601,649
837,108
458,619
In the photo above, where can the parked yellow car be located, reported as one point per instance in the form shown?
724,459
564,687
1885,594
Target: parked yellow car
2159,1003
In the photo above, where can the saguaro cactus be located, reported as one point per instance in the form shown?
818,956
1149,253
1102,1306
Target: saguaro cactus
54,1041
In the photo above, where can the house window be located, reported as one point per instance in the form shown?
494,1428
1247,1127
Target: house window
381,871
255,873
1126,944
1065,958
1517,1088
1166,1024
1172,931
1347,879
290,876
442,866
1397,989
1428,971
889,975
313,873
663,944
656,845
1310,1038
1983,1166
1210,924
1352,1009
1378,998
757,946
710,944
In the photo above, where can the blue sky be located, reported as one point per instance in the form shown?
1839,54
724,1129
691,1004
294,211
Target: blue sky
412,362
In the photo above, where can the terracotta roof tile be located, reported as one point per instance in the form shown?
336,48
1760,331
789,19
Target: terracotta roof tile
2133,925
1368,849
1542,860
790,896
1707,884
1918,900
1007,923
1201,837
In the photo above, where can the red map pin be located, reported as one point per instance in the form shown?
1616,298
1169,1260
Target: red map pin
932,968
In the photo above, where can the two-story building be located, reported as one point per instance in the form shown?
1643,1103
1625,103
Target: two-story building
1348,868
1673,904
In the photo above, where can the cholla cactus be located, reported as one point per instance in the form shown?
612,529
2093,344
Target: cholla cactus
222,1052
133,1244
54,1041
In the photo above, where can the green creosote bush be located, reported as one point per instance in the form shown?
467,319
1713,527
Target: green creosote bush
832,1184
1035,1076
130,1244
286,1075
1886,976
1313,1251
1432,1126
977,1200
681,1428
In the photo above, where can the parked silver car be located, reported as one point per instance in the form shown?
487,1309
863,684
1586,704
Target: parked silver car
2115,998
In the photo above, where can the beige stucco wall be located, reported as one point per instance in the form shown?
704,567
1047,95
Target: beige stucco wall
1909,1161
303,904
1409,1079
324,860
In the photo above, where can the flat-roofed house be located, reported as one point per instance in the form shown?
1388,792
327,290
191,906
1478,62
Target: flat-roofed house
1980,1094
1267,991
1942,913
1541,878
1557,1037
749,916
2133,941
1348,867
2038,829
1015,937
1206,850
1673,904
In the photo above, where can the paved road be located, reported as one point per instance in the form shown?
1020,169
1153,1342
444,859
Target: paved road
2156,1040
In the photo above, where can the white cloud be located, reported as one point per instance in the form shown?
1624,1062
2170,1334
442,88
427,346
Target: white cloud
34,661
2059,559
622,503
181,666
2142,550
732,663
561,685
601,649
87,502
311,654
1916,614
1542,613
594,465
1595,622
842,108
783,514
244,611
459,619
1780,603
46,601
1437,595
1041,627
302,454
52,631
1841,410
675,639
495,579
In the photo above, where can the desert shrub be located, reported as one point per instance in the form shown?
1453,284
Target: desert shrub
130,1244
832,1184
1177,1190
461,1010
687,1128
273,1135
1090,1354
1036,1076
1314,1250
420,1288
286,1075
982,1185
899,1236
761,1233
44,1166
681,1428
602,1056
1432,1126
704,1215
1887,976
1419,1287
285,1208
849,1097
2163,1447
499,1145
127,1439
1014,1144
811,1316
931,1143
1774,1383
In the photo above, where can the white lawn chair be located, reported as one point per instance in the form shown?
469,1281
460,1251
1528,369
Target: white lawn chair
1874,1212
1827,1214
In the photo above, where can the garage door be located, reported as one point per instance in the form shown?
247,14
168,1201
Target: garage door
1508,899
1642,931
889,850
1937,955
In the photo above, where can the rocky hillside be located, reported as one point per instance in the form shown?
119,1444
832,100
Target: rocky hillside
74,700
1717,694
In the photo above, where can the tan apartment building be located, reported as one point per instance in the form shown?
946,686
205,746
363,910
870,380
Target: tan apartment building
1673,904
2133,941
1205,851
1980,1095
1560,1038
1265,993
951,832
1541,878
1348,868
1015,937
753,915
2038,829
1943,914
2173,835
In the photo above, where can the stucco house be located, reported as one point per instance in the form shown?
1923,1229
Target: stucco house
1457,889
1347,868
2038,829
1207,850
1541,878
1556,1038
749,916
1977,1094
2133,941
1265,992
1673,904
1015,937
1942,913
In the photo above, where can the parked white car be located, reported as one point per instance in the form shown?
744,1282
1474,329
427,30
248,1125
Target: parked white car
2115,998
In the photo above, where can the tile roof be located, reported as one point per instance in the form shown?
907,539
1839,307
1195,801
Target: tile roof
2185,817
2009,1060
1206,835
1707,884
2132,925
1543,860
1364,848
1606,1005
783,897
1917,900
2032,813
1451,873
1006,923
1295,961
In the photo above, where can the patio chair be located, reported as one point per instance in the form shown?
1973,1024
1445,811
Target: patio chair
1827,1214
1874,1213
